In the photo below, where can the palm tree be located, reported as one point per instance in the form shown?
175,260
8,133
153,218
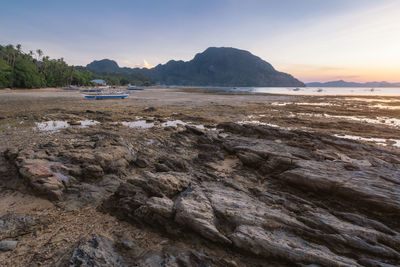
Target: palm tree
19,46
39,53
31,53
10,54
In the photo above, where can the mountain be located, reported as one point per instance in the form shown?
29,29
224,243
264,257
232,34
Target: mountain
216,66
104,65
342,83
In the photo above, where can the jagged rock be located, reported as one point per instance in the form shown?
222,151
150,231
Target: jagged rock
141,163
194,210
162,184
379,188
44,176
51,170
14,225
162,206
149,109
95,251
193,129
173,164
290,247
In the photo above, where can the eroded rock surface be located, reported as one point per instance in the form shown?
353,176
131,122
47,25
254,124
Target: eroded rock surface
300,197
84,160
240,195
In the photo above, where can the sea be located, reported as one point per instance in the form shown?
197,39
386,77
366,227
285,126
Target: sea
322,91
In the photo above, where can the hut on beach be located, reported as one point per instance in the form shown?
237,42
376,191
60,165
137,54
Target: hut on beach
99,82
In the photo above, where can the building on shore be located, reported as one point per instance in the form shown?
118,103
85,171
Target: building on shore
99,82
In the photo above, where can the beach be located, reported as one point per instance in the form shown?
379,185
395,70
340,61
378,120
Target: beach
183,175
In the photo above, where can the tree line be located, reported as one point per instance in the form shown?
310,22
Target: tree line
33,69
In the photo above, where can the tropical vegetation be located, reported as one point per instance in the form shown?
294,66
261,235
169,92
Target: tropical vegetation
33,69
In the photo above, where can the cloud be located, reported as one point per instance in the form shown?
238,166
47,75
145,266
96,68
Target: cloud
144,64
147,65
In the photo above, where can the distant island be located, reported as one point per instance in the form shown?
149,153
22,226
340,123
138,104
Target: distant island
216,66
342,83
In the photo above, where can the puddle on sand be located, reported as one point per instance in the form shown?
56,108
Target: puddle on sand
54,126
143,124
303,104
87,123
369,99
378,141
138,124
379,120
255,122
386,107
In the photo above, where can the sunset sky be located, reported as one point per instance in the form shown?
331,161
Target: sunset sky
314,40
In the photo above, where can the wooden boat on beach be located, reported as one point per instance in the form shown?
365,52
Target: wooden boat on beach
71,88
134,88
92,90
106,96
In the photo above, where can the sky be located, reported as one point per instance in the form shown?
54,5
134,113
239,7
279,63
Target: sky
314,40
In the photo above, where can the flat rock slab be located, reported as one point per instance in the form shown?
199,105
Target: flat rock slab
6,245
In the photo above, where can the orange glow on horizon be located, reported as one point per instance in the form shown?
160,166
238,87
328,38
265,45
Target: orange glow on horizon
323,74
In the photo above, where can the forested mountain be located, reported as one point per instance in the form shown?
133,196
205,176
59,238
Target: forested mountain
222,67
214,67
104,65
113,74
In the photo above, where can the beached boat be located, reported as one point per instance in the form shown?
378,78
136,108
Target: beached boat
71,88
107,96
134,88
92,90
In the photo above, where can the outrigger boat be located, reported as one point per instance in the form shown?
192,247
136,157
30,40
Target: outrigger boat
107,96
71,88
134,88
101,94
93,90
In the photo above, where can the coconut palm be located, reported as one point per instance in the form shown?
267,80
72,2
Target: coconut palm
39,53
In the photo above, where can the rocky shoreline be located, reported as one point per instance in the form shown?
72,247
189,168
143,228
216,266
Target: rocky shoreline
229,193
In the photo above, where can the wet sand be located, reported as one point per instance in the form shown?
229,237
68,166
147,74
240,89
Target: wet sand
367,117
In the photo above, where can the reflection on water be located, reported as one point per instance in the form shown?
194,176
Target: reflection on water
51,126
302,104
56,125
378,141
86,123
379,120
308,91
138,124
145,125
386,106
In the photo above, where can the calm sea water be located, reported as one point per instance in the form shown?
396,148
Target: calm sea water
309,91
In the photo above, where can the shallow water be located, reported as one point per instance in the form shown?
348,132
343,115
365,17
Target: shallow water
56,125
86,123
385,106
145,125
138,124
302,104
322,91
378,141
393,122
52,126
